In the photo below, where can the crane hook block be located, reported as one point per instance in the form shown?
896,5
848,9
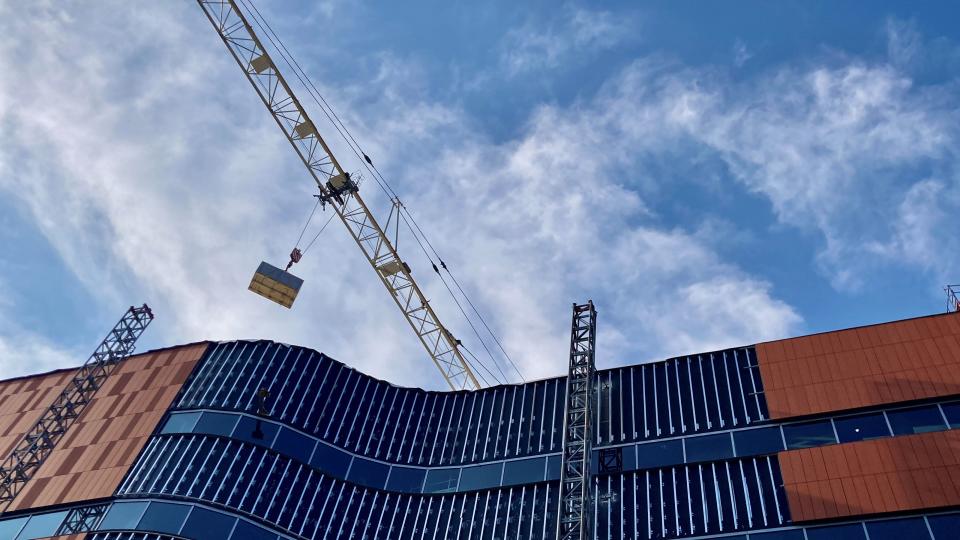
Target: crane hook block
275,284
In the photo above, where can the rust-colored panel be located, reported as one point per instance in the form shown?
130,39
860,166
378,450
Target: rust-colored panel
99,448
862,367
873,477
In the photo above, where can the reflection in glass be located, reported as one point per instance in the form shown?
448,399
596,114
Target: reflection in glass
123,515
42,526
163,518
208,525
180,422
916,420
709,448
809,434
861,427
406,479
523,471
481,476
441,481
757,442
216,423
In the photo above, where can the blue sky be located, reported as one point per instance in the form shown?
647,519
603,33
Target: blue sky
711,174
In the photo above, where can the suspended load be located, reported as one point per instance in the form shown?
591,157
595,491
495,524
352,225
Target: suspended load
275,284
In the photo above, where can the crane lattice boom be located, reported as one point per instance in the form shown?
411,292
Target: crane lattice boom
337,189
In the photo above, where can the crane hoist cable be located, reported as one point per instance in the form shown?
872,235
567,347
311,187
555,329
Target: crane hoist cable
367,162
336,186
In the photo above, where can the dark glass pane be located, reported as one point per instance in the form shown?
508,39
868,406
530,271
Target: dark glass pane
523,471
837,532
898,529
554,467
861,427
10,527
123,516
756,442
629,456
248,531
406,479
294,444
331,460
481,476
180,422
809,434
944,527
208,525
658,454
441,481
368,473
916,420
163,518
256,432
216,424
795,534
42,526
709,448
952,410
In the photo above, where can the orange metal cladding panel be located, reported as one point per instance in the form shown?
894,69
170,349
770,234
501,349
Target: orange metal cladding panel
95,454
861,367
23,400
873,477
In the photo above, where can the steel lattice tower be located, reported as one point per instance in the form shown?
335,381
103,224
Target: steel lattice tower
575,522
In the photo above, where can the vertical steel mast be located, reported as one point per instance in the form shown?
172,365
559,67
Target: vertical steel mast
575,522
30,453
337,189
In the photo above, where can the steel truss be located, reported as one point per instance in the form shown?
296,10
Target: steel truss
30,453
83,519
575,509
338,190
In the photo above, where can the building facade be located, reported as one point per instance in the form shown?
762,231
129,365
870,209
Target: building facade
842,435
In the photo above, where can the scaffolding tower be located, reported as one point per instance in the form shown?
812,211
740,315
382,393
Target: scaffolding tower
575,516
34,448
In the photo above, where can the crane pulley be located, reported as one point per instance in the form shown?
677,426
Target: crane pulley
339,190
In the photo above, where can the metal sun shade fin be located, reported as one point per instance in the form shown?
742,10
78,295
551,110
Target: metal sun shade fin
337,190
575,510
39,441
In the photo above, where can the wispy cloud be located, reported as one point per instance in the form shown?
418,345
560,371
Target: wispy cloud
575,34
154,172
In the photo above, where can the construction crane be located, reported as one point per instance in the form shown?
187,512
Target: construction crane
39,441
338,190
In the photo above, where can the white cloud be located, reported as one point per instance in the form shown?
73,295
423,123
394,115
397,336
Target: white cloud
155,173
575,34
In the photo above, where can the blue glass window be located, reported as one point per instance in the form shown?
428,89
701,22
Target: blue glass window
795,534
42,526
523,471
257,432
861,427
658,454
331,460
757,442
163,518
368,473
406,479
123,515
248,531
555,466
898,529
216,424
952,410
208,525
944,527
294,444
10,527
180,422
441,481
809,434
481,476
837,532
709,448
916,420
